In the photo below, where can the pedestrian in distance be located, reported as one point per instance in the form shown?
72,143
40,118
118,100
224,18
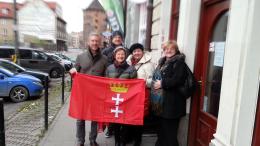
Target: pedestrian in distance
173,74
142,63
120,69
90,62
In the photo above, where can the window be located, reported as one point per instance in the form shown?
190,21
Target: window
6,53
8,66
37,56
4,32
5,11
174,19
25,54
3,22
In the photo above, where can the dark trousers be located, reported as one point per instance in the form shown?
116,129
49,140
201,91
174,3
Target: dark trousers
80,133
121,133
136,132
167,132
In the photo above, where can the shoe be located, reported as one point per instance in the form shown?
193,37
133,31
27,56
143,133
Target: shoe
108,134
80,144
93,143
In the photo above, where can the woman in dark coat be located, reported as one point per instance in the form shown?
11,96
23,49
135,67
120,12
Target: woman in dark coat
172,68
120,69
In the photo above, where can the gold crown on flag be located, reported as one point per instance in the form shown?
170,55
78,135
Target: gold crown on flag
119,87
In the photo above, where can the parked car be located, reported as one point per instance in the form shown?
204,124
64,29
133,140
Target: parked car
66,63
18,87
18,69
34,59
65,58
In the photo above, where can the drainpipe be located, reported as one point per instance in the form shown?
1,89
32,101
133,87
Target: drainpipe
125,16
16,38
149,22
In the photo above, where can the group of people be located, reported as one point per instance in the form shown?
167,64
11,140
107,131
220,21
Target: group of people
118,62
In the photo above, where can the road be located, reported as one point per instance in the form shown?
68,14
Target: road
10,108
24,121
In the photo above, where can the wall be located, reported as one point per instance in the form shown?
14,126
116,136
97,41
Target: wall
160,27
37,19
6,24
94,20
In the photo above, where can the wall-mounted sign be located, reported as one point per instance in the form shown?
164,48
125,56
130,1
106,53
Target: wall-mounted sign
138,1
219,48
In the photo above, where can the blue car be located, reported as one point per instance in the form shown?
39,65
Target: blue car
19,86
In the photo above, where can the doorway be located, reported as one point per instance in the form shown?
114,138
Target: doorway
208,70
256,136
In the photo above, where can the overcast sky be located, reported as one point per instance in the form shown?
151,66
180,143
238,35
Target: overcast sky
72,12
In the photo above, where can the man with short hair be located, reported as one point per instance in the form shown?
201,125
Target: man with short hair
90,62
117,40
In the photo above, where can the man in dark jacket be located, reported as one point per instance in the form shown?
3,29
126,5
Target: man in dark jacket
90,62
117,40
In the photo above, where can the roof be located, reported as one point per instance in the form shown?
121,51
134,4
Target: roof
9,7
51,5
95,5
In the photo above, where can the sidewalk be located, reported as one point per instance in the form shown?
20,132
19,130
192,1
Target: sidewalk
62,132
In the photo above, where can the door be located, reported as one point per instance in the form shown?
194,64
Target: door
3,84
256,137
208,71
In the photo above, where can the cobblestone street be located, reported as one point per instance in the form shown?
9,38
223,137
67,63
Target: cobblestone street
26,126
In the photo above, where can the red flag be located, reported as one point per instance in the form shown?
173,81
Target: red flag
107,100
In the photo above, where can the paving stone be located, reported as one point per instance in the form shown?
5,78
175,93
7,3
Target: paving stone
26,127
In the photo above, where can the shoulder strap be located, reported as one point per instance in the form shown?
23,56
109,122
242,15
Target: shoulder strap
139,66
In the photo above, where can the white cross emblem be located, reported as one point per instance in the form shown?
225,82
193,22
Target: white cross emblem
116,111
118,99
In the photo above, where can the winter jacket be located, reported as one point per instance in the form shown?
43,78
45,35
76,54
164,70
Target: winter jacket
173,76
123,71
109,53
93,65
145,70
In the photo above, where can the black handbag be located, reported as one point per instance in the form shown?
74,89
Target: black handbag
190,84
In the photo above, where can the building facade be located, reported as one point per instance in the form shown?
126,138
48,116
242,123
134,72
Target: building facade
43,20
137,13
220,39
94,19
6,23
76,40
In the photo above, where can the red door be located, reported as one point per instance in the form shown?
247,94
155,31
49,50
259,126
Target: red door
208,70
256,137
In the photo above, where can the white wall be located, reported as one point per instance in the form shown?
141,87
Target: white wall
36,19
189,18
160,27
240,80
